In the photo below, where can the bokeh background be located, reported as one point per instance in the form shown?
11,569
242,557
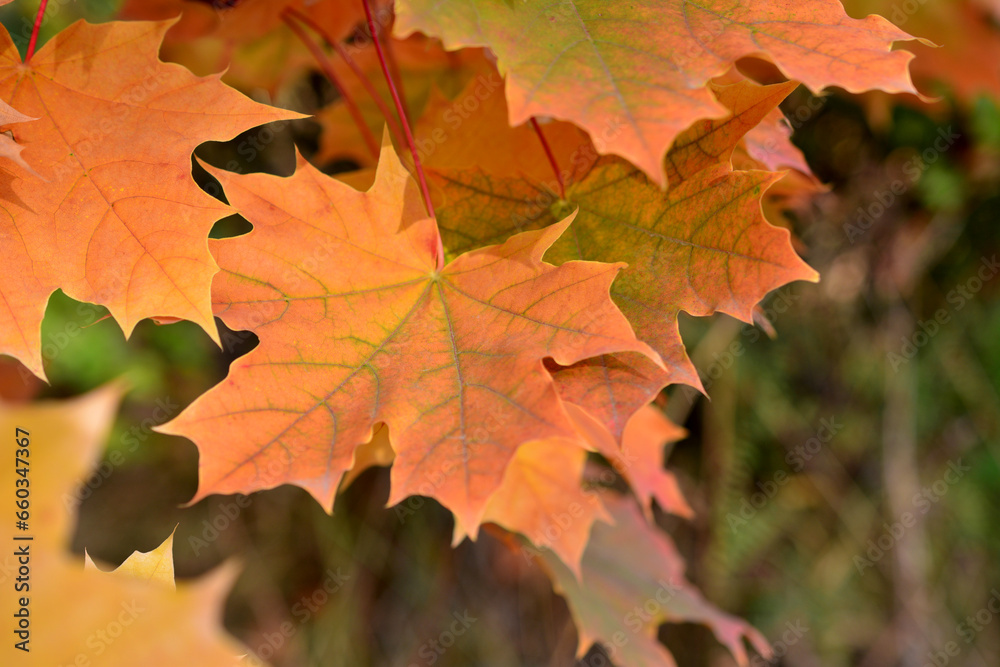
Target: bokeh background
877,397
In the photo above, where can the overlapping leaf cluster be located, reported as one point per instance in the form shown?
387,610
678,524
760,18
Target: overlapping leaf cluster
571,245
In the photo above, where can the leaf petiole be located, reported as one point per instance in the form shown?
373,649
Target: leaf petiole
39,17
552,158
401,112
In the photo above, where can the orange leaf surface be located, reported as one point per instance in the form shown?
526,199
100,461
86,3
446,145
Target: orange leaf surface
471,130
612,387
133,616
639,69
119,222
626,593
358,326
542,497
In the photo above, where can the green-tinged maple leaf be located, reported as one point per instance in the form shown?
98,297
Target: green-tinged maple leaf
634,74
118,221
702,247
358,325
75,614
632,582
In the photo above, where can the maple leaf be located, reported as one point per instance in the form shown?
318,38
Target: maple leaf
612,387
359,325
542,497
754,118
624,594
702,247
634,74
120,221
133,616
377,452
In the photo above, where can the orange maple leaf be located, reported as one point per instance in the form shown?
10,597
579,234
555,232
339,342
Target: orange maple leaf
120,222
359,325
634,74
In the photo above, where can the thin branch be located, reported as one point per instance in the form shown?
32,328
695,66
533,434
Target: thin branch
39,17
390,118
390,55
552,158
331,74
406,127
